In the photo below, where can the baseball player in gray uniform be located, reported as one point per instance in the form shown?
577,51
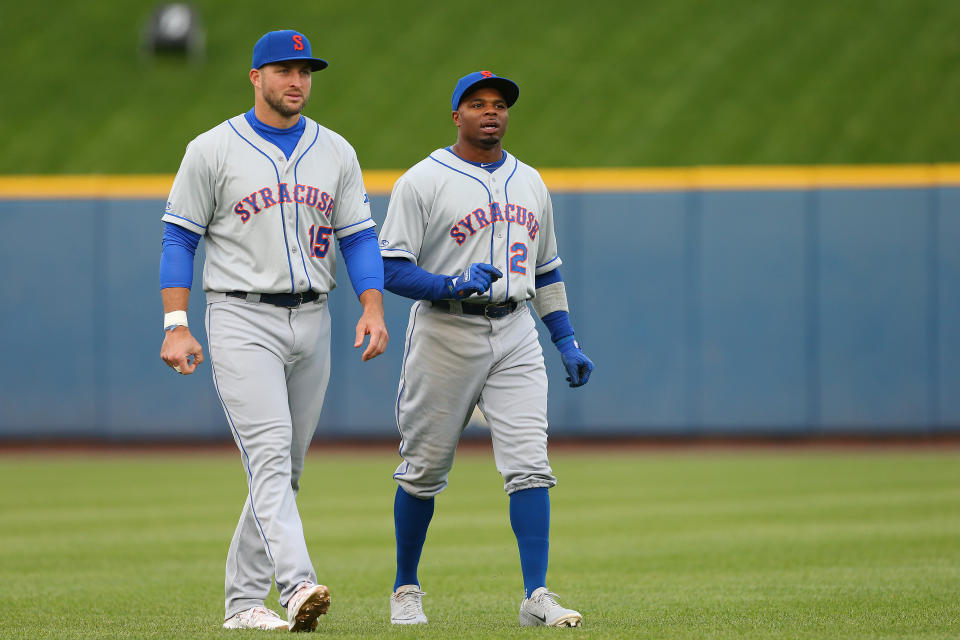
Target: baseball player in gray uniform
270,190
469,235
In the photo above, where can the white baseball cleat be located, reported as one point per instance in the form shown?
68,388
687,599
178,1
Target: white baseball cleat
308,603
255,618
541,609
406,605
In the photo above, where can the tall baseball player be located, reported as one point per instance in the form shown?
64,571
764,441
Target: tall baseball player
469,235
270,190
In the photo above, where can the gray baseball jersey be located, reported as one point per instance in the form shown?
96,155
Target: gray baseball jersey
269,222
446,213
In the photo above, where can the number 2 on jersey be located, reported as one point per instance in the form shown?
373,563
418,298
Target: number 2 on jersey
319,240
518,255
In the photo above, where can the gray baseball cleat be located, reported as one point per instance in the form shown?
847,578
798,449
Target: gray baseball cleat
541,610
406,605
308,603
255,618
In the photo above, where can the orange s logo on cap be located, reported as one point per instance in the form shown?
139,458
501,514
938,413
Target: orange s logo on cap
486,74
298,43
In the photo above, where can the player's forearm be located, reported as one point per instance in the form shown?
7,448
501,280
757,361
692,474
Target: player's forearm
372,324
550,303
372,301
406,279
175,299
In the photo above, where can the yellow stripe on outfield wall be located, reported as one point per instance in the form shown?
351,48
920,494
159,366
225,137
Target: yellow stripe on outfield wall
380,182
753,178
33,187
85,186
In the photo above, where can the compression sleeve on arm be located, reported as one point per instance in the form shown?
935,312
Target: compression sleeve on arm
176,259
550,303
404,278
559,325
362,257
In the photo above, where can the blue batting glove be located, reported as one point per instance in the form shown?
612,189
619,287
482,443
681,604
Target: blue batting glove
475,279
578,365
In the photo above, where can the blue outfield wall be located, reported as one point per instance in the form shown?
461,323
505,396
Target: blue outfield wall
708,312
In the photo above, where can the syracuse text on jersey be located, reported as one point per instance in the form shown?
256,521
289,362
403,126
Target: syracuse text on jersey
302,194
478,219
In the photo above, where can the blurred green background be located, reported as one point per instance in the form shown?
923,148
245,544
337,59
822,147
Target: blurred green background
603,83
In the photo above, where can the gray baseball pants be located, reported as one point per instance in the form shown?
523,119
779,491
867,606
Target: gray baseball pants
270,368
453,363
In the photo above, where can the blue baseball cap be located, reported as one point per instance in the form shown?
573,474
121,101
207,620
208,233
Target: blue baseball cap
479,79
278,46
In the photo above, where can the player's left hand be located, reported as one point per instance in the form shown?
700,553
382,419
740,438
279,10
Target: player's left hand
372,324
578,365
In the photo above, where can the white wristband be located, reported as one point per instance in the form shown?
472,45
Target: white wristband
175,319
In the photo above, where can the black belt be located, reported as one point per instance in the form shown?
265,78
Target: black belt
280,299
497,310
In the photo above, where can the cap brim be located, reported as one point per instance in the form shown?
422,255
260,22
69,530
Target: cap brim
316,64
507,88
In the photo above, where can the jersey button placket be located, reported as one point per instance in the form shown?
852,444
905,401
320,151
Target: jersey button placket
293,233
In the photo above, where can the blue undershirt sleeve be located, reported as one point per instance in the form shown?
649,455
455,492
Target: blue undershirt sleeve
549,277
406,279
176,259
557,322
361,253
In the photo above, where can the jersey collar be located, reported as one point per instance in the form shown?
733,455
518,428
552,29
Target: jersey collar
486,166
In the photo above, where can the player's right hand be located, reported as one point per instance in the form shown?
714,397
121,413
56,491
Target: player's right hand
181,351
475,279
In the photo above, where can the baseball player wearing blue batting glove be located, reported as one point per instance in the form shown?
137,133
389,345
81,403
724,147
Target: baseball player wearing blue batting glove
577,364
474,210
474,280
270,190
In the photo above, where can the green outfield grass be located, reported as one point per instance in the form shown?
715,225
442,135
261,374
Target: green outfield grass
755,544
604,83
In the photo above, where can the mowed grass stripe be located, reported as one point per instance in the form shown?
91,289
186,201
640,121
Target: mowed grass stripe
646,545
611,83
